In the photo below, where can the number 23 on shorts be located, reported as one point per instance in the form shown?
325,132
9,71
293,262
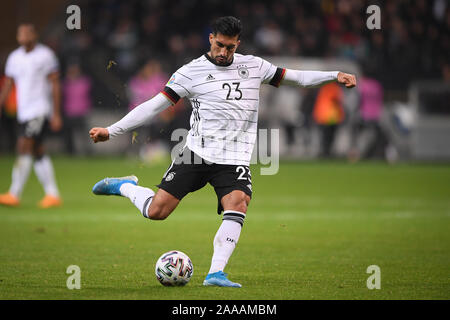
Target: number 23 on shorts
241,170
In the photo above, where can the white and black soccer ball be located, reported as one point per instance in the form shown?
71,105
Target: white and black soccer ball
174,268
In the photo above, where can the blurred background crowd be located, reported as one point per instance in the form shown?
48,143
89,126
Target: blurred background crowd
125,52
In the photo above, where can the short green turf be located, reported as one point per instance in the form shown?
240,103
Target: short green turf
311,232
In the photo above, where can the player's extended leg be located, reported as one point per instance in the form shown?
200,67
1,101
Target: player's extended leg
153,206
43,168
162,205
20,172
235,208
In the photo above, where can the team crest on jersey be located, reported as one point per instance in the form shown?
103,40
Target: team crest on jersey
171,80
170,176
243,71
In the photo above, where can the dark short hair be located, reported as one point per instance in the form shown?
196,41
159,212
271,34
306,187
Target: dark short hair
27,24
228,26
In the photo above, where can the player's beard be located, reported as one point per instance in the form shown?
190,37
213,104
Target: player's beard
221,60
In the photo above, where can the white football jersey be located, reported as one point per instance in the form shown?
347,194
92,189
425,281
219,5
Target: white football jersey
225,102
29,71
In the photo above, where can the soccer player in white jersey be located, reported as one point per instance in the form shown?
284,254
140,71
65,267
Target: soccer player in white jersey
223,88
33,67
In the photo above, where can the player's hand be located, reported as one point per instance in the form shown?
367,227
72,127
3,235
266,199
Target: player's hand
347,79
99,134
55,123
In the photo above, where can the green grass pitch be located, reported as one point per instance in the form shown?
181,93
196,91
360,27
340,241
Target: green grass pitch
311,232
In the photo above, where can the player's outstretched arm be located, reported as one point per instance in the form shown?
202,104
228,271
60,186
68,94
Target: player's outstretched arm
317,78
135,118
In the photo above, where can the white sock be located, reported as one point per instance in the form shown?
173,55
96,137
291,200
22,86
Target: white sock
226,239
43,168
141,197
20,173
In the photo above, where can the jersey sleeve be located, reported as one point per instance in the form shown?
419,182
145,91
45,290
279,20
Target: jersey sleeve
179,85
52,64
10,67
270,73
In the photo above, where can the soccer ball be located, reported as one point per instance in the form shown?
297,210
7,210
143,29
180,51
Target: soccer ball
174,268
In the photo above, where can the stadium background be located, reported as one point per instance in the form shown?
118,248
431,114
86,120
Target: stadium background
407,205
118,38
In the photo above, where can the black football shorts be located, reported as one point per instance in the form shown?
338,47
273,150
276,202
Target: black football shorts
182,178
35,128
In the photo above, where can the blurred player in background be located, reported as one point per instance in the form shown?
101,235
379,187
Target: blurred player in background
223,88
33,68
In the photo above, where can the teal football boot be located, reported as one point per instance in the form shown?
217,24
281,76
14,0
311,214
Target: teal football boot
111,186
219,279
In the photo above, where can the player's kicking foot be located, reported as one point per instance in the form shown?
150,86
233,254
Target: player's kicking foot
50,202
111,186
219,279
8,199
